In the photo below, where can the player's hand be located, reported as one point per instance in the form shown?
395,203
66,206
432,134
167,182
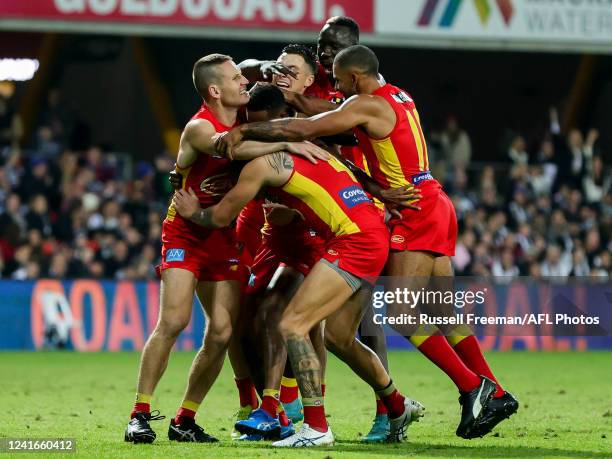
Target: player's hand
175,179
308,150
270,68
405,196
226,142
186,203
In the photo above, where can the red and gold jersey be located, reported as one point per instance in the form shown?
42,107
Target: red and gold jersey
400,158
324,89
206,170
329,197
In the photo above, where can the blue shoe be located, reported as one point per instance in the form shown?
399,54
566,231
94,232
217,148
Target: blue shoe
294,410
251,437
380,430
260,423
287,431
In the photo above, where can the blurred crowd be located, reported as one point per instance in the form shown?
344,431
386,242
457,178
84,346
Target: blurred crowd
69,213
545,213
70,210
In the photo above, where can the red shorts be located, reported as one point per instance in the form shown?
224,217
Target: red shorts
298,248
248,229
362,254
431,229
210,254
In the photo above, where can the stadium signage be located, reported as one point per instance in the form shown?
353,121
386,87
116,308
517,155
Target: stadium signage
273,14
528,24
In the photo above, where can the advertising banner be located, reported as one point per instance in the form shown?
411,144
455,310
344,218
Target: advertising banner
271,15
91,315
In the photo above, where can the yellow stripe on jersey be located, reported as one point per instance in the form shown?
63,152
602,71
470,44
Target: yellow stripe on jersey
416,133
339,167
388,162
171,210
321,203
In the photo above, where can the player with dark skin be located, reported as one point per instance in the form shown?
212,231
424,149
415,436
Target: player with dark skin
376,118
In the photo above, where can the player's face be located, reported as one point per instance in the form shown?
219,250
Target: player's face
345,81
332,40
297,65
232,85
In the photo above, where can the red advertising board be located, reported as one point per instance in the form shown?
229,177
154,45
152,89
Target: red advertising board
268,14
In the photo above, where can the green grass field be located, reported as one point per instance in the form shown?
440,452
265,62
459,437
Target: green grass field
566,407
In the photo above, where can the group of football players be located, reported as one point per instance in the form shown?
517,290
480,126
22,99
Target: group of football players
323,167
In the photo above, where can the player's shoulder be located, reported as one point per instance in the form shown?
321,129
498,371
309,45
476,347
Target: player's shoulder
370,103
198,126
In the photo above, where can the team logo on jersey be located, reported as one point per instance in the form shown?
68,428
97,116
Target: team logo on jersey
332,252
353,195
175,255
398,239
401,97
337,100
216,185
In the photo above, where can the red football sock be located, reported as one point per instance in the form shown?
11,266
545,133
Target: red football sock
283,419
437,349
392,400
269,402
323,390
142,404
289,390
187,409
469,351
314,413
247,392
380,407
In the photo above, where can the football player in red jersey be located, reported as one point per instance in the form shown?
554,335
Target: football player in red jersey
331,201
338,33
197,259
386,121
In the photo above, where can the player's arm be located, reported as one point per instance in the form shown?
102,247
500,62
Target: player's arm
356,111
256,70
308,105
274,169
222,214
200,136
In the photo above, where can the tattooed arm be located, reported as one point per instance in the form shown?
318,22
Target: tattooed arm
273,169
359,110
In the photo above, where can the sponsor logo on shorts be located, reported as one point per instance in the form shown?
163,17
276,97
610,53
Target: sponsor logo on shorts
353,195
418,178
398,239
332,252
175,255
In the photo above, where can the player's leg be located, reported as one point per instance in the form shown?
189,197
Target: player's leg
372,335
323,292
241,362
220,301
340,330
414,269
176,299
465,344
270,421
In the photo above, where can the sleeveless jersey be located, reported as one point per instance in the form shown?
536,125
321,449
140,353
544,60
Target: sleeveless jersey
329,197
206,169
400,158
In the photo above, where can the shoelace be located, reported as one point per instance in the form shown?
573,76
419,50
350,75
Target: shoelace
156,416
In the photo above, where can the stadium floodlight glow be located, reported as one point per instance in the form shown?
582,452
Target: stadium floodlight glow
18,69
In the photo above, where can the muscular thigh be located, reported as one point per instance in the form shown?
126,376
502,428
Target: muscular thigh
322,293
220,301
176,292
